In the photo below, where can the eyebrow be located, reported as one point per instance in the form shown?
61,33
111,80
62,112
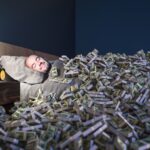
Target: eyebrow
37,58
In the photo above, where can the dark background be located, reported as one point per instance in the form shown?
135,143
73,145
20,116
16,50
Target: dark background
46,25
76,26
112,25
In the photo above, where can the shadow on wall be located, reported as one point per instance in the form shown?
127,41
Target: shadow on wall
41,25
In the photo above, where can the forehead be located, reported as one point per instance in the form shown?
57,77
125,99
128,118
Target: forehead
32,58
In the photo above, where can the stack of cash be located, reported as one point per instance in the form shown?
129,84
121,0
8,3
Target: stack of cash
108,108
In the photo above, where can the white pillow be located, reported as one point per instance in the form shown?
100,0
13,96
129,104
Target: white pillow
15,67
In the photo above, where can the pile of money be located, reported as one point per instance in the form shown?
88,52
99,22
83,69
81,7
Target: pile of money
108,107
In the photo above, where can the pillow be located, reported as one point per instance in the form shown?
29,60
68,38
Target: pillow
15,67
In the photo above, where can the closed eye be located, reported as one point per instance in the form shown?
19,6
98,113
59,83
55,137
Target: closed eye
33,66
37,58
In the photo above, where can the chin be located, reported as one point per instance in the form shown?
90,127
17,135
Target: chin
44,71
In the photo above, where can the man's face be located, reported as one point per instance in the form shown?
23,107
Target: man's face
37,63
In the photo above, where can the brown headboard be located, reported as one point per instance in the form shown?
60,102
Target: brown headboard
13,50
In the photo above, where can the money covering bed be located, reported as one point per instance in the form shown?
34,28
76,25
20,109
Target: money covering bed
109,110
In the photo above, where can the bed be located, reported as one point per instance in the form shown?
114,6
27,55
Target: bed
110,109
13,90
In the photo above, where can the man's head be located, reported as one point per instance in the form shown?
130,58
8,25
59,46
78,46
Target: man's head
36,63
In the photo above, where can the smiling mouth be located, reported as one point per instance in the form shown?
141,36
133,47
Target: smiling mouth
41,65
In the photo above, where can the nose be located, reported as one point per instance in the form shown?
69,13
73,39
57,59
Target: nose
39,63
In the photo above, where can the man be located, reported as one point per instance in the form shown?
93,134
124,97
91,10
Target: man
54,83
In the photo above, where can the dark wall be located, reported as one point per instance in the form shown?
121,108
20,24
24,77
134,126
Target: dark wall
114,25
46,25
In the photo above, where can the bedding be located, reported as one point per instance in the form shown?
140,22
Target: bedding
24,91
29,79
53,84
